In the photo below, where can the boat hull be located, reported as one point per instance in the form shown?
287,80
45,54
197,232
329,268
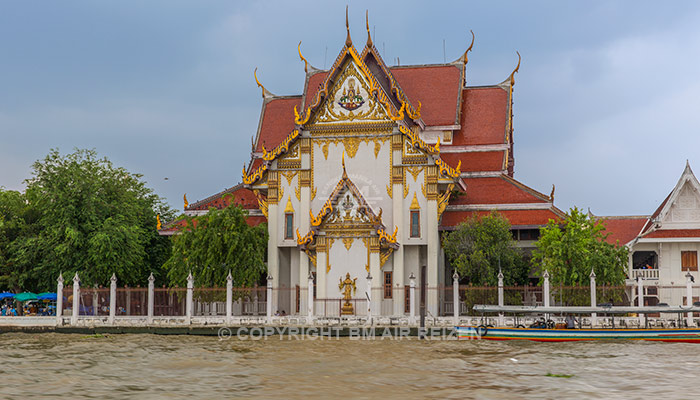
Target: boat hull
576,335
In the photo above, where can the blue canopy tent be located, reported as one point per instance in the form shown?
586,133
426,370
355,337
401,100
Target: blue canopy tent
46,296
6,295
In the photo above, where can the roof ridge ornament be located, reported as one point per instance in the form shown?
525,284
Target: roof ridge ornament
345,174
306,62
265,92
465,58
512,74
348,40
369,36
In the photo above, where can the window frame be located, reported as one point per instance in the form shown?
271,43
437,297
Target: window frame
288,228
417,225
688,258
388,286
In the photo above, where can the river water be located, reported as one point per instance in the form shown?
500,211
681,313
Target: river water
147,366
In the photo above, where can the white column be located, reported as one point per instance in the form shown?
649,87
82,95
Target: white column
310,299
689,297
76,299
375,270
455,299
501,302
303,285
151,300
545,292
432,297
112,298
95,300
368,294
59,300
412,280
268,303
229,297
640,298
188,304
594,300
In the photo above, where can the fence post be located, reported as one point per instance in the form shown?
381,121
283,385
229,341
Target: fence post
689,297
229,297
640,298
268,303
412,299
76,299
151,293
112,298
368,294
94,299
455,298
545,291
59,300
188,304
594,300
501,302
310,296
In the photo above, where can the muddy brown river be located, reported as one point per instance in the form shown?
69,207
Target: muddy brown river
196,367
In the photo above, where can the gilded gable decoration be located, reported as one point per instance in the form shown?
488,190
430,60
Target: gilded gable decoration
414,203
289,208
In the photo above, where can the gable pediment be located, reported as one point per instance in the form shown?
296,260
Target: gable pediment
683,206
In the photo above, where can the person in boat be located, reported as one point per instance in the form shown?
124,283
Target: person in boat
570,322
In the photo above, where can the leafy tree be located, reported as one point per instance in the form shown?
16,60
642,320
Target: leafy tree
210,245
570,250
479,245
90,217
17,222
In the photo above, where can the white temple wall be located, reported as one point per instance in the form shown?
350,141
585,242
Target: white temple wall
343,261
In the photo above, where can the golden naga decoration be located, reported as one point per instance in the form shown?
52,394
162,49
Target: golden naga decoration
185,199
369,37
262,203
158,224
512,74
465,59
327,209
265,92
306,239
437,145
385,236
257,174
298,119
400,115
306,63
414,114
417,142
348,287
444,199
280,148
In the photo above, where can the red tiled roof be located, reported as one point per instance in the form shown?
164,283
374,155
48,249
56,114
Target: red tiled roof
277,121
674,233
436,87
623,229
476,161
484,117
238,194
451,219
314,84
497,190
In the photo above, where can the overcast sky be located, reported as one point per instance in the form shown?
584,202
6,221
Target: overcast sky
606,101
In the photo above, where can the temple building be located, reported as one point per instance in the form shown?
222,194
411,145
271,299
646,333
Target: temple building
663,247
362,172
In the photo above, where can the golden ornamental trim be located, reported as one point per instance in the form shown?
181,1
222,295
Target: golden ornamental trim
386,237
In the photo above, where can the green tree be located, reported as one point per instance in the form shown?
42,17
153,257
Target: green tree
210,245
17,222
569,251
92,218
479,245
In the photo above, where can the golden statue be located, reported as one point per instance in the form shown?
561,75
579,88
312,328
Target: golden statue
348,287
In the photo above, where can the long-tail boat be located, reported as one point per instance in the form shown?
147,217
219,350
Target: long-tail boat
544,334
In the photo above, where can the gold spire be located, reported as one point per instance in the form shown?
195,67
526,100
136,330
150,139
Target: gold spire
414,203
289,208
265,92
185,199
512,74
348,41
158,224
306,63
465,58
369,36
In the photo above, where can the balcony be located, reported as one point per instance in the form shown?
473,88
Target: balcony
645,273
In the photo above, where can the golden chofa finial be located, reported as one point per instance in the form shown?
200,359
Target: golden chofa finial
512,74
184,198
464,57
348,41
265,92
306,63
369,36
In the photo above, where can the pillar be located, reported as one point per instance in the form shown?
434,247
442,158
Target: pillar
398,220
59,300
545,292
321,267
151,299
374,285
268,303
594,300
640,298
273,227
303,284
112,298
689,297
412,299
455,299
310,298
501,302
76,299
188,299
95,300
229,297
433,236
369,298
